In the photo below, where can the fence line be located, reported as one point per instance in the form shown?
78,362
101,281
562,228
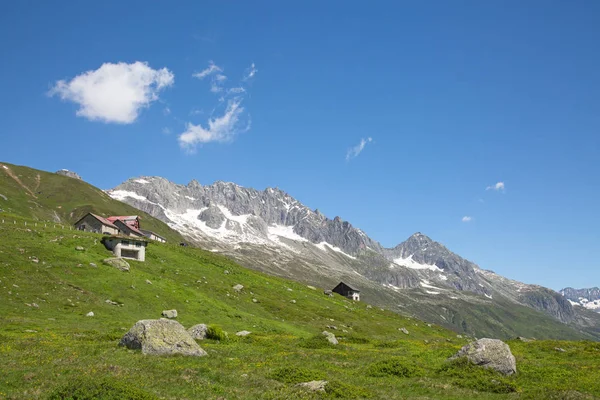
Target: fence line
34,223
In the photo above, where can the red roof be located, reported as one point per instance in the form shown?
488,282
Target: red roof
133,228
104,221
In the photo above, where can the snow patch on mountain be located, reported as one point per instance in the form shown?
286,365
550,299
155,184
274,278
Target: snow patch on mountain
410,263
121,195
324,246
142,181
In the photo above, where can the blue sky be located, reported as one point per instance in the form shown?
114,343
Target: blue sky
395,116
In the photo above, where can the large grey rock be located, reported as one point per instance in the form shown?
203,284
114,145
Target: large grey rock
330,337
161,337
489,353
198,331
118,263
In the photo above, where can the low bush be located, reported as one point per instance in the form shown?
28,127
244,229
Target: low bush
296,375
102,388
339,390
315,342
215,332
463,373
394,367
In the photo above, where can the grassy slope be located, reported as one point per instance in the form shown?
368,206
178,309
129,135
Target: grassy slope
42,348
43,195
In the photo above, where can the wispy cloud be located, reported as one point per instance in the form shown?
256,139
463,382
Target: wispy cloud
166,111
466,218
218,129
250,72
166,131
211,69
498,187
114,93
356,150
231,122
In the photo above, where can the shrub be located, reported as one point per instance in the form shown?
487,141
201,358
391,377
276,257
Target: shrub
393,367
315,342
102,388
339,390
358,340
465,374
215,332
296,375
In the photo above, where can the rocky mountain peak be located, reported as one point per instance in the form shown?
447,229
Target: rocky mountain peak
70,174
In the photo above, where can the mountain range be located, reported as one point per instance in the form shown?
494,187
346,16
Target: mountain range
271,231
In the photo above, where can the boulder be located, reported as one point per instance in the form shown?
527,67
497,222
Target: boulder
313,386
243,333
118,263
489,353
328,293
169,313
198,331
161,337
330,337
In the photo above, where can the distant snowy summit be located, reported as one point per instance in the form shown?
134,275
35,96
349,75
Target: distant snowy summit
587,298
68,173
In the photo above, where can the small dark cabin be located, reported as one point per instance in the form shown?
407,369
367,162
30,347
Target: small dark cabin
347,291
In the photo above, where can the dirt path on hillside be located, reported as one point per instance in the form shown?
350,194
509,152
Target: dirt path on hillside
16,178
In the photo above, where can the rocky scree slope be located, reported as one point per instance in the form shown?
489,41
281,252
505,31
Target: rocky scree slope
271,231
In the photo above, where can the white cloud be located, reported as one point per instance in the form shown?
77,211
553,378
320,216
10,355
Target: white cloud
212,68
499,187
219,129
114,92
166,131
236,90
466,218
166,111
356,150
250,72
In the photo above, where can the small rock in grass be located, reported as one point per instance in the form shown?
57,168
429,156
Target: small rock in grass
293,301
90,314
114,303
330,337
313,386
93,265
118,263
254,300
169,313
148,282
238,287
559,349
311,287
403,330
79,248
243,333
226,272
